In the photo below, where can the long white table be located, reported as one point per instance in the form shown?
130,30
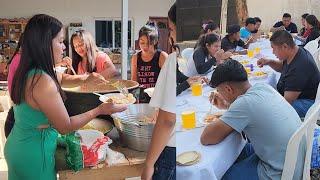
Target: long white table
215,159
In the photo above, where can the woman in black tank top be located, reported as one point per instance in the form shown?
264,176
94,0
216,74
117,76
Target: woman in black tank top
147,63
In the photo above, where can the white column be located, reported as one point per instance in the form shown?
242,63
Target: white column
224,17
124,40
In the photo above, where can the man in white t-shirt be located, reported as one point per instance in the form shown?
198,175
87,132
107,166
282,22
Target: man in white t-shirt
161,158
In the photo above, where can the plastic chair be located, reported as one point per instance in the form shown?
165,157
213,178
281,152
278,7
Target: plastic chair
187,53
312,46
317,58
306,130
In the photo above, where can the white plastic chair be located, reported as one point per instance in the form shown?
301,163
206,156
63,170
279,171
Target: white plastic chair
187,56
317,58
187,53
306,130
182,65
312,46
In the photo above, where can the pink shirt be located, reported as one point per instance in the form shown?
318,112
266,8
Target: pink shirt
101,59
12,69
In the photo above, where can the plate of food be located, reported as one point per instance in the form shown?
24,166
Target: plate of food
258,75
238,57
60,69
188,158
101,125
211,117
118,98
244,62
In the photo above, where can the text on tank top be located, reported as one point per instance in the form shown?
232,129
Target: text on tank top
148,72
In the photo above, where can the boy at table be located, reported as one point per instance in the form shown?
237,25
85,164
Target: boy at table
232,42
285,24
245,32
264,116
299,74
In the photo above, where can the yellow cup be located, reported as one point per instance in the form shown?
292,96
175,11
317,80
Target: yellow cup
196,89
250,53
270,34
188,119
257,50
248,70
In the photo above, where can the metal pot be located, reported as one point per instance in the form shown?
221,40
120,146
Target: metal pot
132,132
78,101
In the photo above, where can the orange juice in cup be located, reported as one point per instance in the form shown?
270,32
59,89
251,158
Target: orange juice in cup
257,50
250,53
196,89
248,70
188,119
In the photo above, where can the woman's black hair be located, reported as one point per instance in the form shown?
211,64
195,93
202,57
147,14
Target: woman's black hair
210,26
91,49
9,122
304,16
37,54
208,39
17,48
151,31
172,13
313,21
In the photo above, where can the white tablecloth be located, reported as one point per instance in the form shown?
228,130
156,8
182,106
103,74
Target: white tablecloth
215,159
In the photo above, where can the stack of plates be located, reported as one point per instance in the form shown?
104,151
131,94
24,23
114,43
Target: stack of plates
188,158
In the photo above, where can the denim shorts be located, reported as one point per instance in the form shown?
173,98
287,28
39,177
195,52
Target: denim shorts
165,167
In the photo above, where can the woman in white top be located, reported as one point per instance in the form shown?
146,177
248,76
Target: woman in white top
161,157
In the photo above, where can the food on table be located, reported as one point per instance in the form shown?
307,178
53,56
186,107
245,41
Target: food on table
238,57
188,158
146,120
212,117
98,124
121,99
244,62
93,86
259,73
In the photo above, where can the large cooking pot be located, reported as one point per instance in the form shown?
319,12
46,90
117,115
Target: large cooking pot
134,133
81,100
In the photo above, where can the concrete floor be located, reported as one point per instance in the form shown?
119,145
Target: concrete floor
3,170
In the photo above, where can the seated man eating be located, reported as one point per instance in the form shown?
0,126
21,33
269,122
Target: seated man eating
299,74
232,42
264,116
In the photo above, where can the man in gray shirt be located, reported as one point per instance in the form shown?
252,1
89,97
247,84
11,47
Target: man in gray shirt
264,116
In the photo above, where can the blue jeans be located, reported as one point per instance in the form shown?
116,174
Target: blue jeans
165,167
302,106
245,167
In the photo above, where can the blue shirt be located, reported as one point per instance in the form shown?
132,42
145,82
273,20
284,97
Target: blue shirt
244,34
269,121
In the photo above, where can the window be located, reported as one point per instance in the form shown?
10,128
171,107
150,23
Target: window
108,33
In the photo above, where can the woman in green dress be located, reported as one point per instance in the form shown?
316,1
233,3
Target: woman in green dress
39,109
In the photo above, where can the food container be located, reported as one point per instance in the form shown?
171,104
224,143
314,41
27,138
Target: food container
79,101
133,130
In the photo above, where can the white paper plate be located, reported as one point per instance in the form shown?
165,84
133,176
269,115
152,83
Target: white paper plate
60,69
105,97
239,57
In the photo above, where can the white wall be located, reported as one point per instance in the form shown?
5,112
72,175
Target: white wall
271,11
86,11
